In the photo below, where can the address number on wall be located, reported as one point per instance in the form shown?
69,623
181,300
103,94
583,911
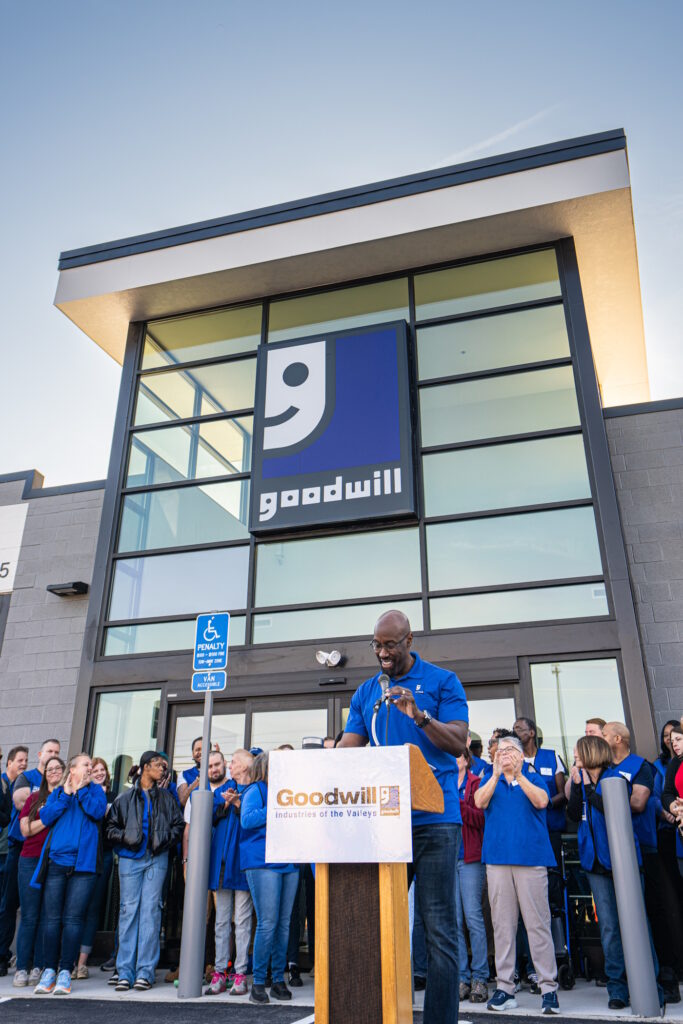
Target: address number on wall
12,522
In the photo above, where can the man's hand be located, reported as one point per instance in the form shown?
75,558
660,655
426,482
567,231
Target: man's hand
405,702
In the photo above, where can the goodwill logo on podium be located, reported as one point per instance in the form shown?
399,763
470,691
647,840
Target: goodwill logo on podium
352,813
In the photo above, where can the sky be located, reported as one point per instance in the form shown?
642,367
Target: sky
128,116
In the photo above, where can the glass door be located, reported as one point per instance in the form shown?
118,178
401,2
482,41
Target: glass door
491,707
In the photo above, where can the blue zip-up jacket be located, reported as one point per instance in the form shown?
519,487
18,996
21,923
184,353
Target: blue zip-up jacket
660,776
253,813
592,833
224,860
74,819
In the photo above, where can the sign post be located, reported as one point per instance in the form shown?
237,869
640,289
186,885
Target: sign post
209,665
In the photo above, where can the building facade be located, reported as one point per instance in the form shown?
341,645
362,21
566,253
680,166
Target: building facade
534,543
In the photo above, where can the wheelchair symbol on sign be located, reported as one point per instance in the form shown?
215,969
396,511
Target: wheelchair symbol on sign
210,633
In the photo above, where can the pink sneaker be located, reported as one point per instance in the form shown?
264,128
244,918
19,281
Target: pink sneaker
219,983
240,987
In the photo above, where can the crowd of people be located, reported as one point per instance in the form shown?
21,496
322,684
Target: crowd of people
500,838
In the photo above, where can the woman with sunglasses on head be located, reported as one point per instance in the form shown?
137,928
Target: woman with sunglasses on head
143,824
100,776
67,869
35,833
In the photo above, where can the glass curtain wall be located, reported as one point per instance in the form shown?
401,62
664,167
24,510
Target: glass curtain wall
506,531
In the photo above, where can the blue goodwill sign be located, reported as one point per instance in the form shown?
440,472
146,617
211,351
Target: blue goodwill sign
211,642
332,430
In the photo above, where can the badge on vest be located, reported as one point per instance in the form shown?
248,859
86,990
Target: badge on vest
514,782
626,775
546,771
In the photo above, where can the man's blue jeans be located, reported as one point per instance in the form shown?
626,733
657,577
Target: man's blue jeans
469,888
273,894
435,851
92,918
605,898
141,881
66,894
419,946
30,937
9,900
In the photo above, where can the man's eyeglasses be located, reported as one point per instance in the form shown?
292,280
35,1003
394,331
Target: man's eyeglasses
390,645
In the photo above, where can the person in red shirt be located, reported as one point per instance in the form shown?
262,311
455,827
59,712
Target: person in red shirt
29,948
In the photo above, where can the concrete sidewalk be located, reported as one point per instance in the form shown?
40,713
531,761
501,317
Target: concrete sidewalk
584,1002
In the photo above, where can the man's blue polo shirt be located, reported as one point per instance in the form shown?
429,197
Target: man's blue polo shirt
516,832
441,694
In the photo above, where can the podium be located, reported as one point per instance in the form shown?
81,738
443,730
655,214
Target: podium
362,938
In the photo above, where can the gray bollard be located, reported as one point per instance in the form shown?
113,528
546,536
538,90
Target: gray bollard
635,936
196,888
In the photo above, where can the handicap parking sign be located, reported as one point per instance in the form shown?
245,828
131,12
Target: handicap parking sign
205,681
211,642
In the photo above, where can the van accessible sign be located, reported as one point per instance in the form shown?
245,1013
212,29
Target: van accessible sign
210,652
332,430
339,806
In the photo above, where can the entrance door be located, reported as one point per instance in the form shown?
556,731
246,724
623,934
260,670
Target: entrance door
491,707
266,723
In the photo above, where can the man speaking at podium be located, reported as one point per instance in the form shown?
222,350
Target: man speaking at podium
425,705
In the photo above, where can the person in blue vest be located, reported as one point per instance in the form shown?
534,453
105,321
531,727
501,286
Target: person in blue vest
672,884
67,870
190,777
273,888
639,774
228,881
24,784
517,854
551,768
428,707
592,765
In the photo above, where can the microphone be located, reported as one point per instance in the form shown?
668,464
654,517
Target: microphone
384,682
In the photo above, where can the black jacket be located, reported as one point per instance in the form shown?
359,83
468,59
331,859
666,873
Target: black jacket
123,825
5,804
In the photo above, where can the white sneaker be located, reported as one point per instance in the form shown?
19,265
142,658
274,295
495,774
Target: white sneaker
34,976
63,986
20,979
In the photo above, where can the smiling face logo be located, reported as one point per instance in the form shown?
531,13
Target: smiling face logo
297,395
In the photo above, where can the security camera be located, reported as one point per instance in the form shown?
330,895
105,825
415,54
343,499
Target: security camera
329,660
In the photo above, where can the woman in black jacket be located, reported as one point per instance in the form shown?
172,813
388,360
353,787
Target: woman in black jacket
143,824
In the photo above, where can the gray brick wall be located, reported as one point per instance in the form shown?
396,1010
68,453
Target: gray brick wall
647,459
41,651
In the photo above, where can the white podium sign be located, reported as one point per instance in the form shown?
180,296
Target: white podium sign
339,806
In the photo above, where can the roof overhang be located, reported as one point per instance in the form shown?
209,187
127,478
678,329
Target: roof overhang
578,189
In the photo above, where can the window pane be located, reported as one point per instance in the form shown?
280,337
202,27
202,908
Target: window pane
509,339
206,336
566,693
270,729
487,284
505,476
196,450
201,391
513,549
184,515
489,714
338,310
539,605
190,582
320,623
514,404
227,730
336,568
163,636
125,726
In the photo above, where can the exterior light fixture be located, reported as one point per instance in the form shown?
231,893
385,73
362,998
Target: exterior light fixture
68,589
329,660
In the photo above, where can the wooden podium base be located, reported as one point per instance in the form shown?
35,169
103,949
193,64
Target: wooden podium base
361,914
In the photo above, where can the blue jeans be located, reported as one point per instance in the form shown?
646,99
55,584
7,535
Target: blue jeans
141,882
92,918
435,851
9,900
30,937
469,888
419,942
605,898
66,894
273,894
